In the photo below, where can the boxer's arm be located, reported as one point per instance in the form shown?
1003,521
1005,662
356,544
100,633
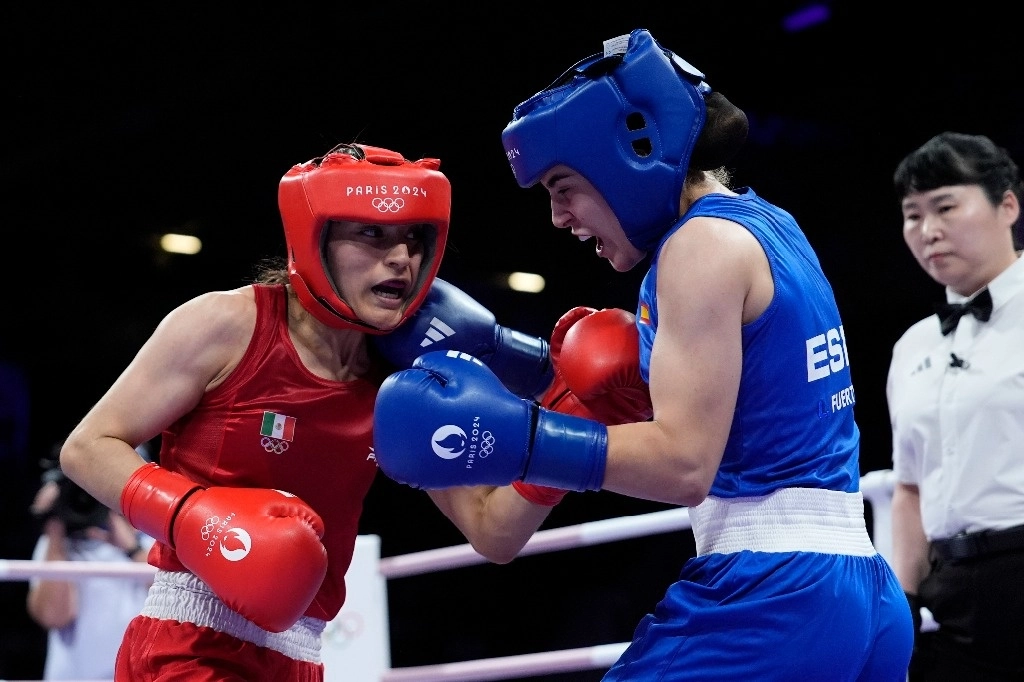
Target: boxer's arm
696,364
192,350
194,347
497,521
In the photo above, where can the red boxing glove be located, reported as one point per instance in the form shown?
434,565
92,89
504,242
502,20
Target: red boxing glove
600,364
259,550
596,356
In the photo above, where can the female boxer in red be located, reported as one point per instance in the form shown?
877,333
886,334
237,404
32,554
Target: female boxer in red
264,398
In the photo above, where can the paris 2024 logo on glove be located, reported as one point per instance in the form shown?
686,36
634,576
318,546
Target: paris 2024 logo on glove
450,442
234,542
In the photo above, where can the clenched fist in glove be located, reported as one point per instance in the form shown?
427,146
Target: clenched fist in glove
259,550
449,421
596,358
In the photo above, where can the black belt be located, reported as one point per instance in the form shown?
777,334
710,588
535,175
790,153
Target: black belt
970,545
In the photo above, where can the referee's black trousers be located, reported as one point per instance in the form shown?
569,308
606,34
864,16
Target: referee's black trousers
979,606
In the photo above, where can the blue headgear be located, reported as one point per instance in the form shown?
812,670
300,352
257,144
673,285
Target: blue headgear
627,121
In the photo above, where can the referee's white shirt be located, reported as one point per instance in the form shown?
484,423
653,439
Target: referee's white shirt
958,432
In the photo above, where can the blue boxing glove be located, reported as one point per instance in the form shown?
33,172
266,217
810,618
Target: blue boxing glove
450,319
449,421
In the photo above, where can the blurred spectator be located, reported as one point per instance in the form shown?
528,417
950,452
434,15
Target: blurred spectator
85,618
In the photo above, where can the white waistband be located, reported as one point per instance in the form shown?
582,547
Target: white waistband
787,520
183,597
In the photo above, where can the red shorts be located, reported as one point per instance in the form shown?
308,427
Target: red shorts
156,650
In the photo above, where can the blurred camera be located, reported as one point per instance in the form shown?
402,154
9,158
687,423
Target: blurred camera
76,508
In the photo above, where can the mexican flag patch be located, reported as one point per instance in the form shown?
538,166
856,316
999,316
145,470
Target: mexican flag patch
278,426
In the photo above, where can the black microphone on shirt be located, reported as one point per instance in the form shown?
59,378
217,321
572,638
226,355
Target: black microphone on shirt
958,362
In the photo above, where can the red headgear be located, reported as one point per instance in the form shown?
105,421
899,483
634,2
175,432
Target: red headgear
362,184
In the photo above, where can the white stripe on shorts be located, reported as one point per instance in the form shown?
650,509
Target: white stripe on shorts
181,596
787,520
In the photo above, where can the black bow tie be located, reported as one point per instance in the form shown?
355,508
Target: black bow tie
950,313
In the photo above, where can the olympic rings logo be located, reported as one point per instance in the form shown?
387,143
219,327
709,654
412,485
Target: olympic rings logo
486,443
345,628
274,445
208,527
388,204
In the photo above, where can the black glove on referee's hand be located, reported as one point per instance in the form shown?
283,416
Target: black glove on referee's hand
915,612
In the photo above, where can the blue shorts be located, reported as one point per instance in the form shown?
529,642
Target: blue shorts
766,616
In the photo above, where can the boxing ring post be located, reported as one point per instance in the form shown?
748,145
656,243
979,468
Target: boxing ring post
356,644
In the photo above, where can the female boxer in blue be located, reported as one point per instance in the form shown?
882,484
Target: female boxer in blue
745,352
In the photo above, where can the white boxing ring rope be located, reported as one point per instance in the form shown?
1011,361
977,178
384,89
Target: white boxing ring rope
568,537
876,487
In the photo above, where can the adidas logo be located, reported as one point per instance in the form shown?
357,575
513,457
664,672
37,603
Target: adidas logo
437,331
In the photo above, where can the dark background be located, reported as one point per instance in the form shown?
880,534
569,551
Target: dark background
121,124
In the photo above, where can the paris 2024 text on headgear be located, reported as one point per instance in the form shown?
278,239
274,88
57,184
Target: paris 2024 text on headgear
362,184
